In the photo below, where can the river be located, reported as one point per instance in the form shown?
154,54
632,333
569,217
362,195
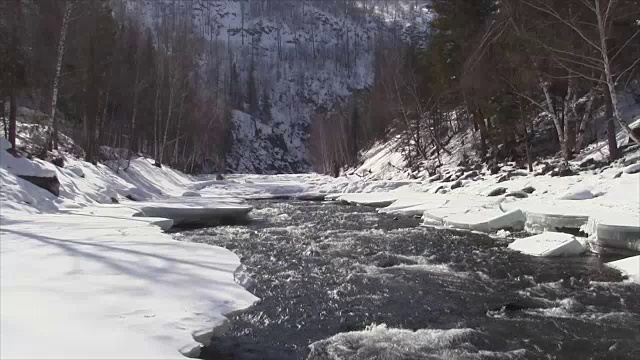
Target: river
355,284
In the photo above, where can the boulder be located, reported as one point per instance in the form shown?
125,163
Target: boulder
58,161
503,178
469,175
632,169
191,194
456,185
518,173
588,162
529,190
497,191
435,177
562,172
518,194
51,184
546,168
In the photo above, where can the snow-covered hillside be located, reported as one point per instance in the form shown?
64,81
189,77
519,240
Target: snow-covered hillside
304,56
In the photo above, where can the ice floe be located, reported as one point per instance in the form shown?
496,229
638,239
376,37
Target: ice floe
549,244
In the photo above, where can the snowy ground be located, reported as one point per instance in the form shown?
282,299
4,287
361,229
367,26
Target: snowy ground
81,277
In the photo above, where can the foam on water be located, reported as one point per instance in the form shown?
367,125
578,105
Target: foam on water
381,342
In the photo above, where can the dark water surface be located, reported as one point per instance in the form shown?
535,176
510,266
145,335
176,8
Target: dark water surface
361,285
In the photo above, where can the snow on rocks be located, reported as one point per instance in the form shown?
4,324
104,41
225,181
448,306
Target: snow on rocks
629,267
549,244
191,194
77,170
578,194
632,169
21,166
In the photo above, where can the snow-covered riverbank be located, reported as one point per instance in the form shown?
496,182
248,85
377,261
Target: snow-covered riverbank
82,278
121,287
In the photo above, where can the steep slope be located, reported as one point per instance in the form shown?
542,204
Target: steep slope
280,61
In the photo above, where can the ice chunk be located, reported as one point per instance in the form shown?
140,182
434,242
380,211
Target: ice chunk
488,221
369,199
615,230
205,212
311,196
538,222
629,266
549,244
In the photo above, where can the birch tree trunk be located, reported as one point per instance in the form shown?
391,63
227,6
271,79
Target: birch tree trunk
611,85
53,122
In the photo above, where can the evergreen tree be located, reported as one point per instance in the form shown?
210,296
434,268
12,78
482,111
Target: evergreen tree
265,111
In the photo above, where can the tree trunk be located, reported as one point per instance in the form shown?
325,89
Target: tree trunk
13,110
556,120
611,85
91,104
3,115
482,126
611,127
53,122
582,127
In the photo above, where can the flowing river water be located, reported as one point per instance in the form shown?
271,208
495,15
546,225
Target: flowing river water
344,282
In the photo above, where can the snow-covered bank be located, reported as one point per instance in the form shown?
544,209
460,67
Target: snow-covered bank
81,277
99,272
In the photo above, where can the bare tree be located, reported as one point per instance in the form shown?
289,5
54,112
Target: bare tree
602,15
53,122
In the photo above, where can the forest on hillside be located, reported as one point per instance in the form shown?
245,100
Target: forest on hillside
501,69
330,77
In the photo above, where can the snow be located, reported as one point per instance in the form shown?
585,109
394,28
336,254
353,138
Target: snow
119,286
23,166
549,244
114,276
629,266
